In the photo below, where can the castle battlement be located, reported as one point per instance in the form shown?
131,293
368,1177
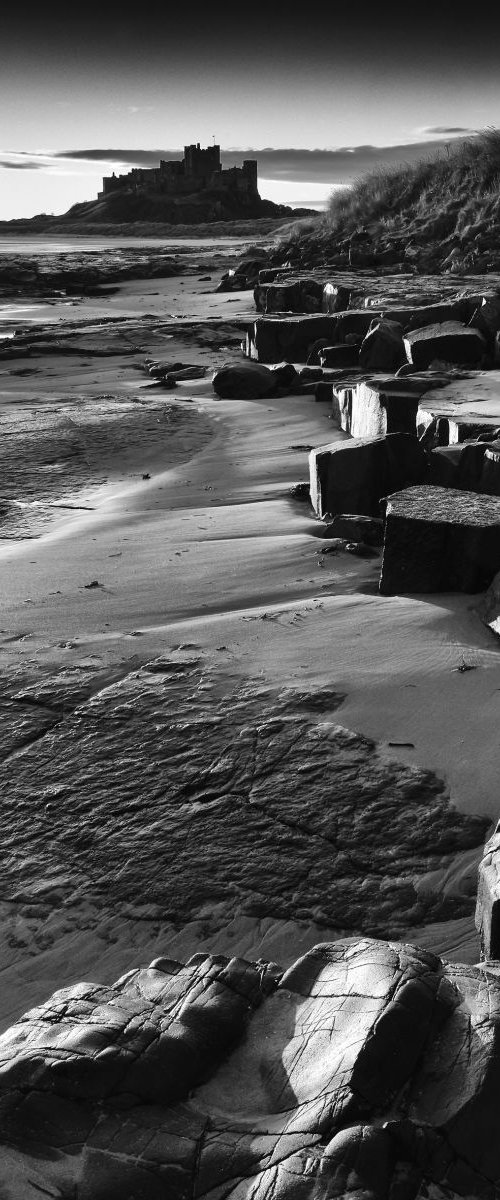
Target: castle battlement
200,170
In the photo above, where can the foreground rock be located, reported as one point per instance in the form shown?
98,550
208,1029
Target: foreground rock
440,540
353,476
368,1069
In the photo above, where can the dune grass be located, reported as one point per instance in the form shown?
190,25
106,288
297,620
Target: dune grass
444,195
445,205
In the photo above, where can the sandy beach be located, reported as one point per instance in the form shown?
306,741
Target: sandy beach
146,526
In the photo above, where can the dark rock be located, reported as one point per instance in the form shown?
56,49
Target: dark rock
339,356
459,466
486,317
356,528
369,1069
383,347
448,342
276,338
489,608
244,381
294,295
314,352
323,392
353,476
440,540
490,475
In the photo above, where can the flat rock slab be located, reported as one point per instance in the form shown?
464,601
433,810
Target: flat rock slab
440,540
449,341
464,408
368,1069
353,476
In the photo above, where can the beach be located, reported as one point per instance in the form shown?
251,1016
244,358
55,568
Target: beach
170,631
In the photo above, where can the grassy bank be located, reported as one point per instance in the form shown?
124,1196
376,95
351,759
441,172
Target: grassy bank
442,213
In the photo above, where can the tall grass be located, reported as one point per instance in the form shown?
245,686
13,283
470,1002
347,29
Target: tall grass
442,196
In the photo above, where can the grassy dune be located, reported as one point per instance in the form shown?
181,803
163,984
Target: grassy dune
440,213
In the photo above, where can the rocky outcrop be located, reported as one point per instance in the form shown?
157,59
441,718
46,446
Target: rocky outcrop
440,540
367,1069
353,476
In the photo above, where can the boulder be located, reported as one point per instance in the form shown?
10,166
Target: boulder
440,540
252,381
367,1070
449,342
383,347
353,476
336,298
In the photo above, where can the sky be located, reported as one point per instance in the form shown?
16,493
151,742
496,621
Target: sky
318,95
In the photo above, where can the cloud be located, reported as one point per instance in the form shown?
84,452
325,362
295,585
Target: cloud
443,130
20,166
328,167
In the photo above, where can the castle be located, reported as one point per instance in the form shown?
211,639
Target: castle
199,171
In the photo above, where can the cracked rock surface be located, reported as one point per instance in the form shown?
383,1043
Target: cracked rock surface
189,790
367,1070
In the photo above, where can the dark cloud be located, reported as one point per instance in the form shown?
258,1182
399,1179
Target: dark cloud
296,165
293,164
136,158
450,129
20,166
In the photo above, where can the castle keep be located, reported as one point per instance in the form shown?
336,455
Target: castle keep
199,171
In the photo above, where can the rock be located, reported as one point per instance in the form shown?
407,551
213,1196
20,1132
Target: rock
369,1070
490,475
353,476
488,890
339,356
372,407
323,392
355,528
244,381
449,342
336,298
486,317
489,606
383,347
460,309
294,295
440,540
276,338
459,466
314,352
354,323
